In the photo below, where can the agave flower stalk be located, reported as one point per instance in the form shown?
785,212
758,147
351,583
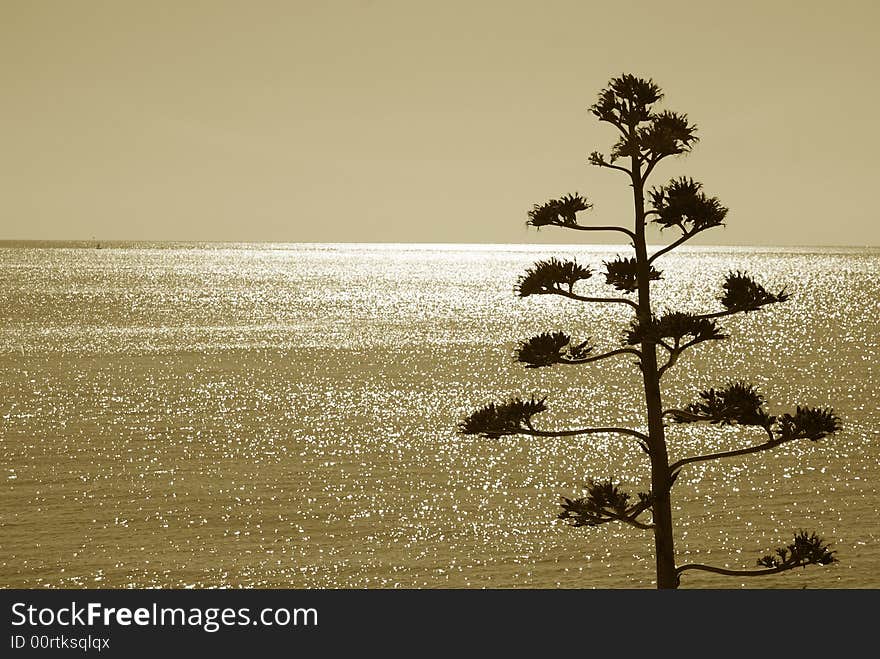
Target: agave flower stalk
645,137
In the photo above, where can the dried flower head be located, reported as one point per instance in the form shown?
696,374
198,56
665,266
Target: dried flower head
742,293
681,203
495,421
559,212
550,348
549,276
675,325
622,273
807,549
811,423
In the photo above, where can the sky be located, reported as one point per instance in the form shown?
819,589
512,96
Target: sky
409,121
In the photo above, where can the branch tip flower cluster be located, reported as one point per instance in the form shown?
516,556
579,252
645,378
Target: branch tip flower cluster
681,203
558,212
676,326
743,293
604,502
551,348
806,549
623,274
740,403
551,276
497,420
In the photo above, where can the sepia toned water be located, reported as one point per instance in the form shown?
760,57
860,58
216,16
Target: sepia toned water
206,415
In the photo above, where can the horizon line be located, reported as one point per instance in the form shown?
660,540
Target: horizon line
95,242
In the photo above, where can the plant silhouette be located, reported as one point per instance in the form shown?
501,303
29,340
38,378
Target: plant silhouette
647,136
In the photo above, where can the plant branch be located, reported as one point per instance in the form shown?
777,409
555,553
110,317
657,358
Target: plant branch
661,342
676,351
634,511
631,520
738,573
807,549
772,443
652,162
611,516
616,123
684,237
683,413
608,165
727,312
581,227
575,296
721,314
673,357
584,431
620,351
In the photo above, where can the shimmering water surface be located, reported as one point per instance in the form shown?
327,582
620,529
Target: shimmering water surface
285,416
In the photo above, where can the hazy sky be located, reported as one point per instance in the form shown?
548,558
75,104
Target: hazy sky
424,121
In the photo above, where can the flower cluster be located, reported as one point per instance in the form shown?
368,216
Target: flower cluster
550,348
668,134
742,293
805,550
495,421
626,100
604,503
741,403
549,276
811,423
626,103
737,403
675,325
622,273
559,212
681,203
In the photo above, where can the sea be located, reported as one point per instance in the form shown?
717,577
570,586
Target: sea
201,415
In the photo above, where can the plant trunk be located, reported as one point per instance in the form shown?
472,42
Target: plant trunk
660,478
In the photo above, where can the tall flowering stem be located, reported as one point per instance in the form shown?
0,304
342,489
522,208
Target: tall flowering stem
646,136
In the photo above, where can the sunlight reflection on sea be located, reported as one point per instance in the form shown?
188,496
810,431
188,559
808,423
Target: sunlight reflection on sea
285,416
